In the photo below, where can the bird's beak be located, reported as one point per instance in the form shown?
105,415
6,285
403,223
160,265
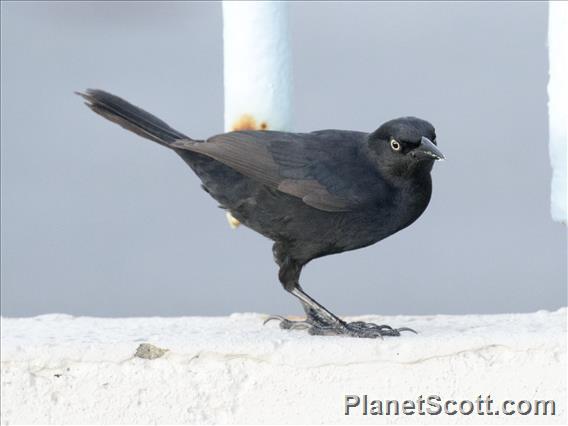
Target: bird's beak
427,149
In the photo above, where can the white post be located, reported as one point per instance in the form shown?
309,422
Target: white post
558,105
257,66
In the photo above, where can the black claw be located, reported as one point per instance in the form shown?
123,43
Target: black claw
274,317
407,329
388,327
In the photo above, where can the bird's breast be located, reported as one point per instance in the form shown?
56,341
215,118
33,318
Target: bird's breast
411,200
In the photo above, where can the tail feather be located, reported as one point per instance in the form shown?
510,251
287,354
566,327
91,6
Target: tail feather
131,117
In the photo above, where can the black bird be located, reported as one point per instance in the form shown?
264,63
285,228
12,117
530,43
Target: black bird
313,194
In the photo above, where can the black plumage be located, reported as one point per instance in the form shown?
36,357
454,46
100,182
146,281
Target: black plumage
313,194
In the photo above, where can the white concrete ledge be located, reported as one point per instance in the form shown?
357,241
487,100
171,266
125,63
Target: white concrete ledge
63,369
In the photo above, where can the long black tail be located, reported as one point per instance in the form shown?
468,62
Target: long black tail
131,117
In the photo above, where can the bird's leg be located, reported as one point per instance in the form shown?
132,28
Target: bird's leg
329,324
289,274
321,321
315,312
312,316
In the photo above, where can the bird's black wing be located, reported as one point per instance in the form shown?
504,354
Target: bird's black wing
321,168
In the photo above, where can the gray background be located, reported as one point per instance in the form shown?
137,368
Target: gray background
96,221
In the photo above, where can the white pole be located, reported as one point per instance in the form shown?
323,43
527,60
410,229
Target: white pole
258,75
257,67
558,105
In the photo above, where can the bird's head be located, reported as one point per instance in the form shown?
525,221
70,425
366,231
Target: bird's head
405,146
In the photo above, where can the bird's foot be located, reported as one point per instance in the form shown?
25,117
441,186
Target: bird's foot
318,327
361,329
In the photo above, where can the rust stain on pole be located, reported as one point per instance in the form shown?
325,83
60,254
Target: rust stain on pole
248,122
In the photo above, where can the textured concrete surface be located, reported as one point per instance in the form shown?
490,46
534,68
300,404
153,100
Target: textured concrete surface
64,369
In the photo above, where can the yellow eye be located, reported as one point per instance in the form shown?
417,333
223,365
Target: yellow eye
395,145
